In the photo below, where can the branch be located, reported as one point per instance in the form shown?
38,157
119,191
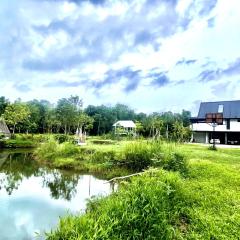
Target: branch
124,177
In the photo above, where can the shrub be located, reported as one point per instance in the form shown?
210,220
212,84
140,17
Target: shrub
212,147
171,161
137,155
2,136
16,143
64,163
61,138
67,149
47,151
177,162
103,156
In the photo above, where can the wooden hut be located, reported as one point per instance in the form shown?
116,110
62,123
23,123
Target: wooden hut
125,127
4,130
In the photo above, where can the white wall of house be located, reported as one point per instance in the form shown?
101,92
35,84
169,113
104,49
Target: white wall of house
204,127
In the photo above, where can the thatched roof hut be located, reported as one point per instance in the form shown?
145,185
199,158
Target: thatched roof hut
4,128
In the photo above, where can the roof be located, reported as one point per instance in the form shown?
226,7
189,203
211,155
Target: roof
125,123
3,127
231,109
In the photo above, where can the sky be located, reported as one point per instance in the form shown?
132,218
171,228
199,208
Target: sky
153,55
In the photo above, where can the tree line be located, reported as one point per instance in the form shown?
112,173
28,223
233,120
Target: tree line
68,114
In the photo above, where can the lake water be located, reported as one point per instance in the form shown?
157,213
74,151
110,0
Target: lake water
32,198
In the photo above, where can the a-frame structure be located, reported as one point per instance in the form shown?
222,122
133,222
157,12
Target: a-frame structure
4,130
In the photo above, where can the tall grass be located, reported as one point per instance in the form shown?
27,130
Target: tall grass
135,156
149,207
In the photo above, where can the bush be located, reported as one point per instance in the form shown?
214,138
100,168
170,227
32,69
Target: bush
16,143
47,151
67,149
171,161
61,138
2,136
177,162
212,147
137,156
64,163
103,156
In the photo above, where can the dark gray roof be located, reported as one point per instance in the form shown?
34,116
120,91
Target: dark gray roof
231,109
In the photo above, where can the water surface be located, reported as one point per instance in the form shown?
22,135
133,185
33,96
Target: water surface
33,197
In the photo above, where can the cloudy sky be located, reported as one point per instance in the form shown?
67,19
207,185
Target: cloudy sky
154,55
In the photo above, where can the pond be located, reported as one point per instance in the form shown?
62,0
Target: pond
33,197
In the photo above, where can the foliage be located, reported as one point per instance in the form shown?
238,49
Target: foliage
137,155
171,161
47,151
212,147
68,115
181,133
15,143
16,113
3,104
61,138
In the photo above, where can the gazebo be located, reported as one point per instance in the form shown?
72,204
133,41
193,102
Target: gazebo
125,127
4,128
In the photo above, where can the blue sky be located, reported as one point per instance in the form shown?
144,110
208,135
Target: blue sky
154,55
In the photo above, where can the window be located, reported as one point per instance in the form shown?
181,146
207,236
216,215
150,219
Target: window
220,108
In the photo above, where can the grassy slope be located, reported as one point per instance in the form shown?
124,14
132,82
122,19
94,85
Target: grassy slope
204,205
214,189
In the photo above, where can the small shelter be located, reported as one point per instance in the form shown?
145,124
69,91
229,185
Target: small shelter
125,127
4,128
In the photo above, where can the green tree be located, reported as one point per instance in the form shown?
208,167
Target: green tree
67,110
16,113
84,122
181,133
139,127
3,104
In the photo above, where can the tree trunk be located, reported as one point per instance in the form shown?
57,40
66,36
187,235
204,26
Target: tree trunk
98,127
14,126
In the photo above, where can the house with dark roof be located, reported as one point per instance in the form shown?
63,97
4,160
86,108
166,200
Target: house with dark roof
227,133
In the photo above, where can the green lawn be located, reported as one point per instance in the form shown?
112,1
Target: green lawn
203,204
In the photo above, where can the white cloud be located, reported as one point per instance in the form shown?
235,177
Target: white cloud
47,42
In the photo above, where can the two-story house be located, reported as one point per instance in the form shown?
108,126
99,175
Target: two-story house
227,133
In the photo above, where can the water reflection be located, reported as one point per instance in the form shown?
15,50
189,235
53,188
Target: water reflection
33,197
18,166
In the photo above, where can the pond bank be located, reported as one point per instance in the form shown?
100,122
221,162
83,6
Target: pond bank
202,204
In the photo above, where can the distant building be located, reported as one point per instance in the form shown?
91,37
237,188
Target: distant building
227,133
125,127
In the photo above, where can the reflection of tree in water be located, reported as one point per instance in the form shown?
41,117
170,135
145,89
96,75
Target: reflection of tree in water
62,185
17,166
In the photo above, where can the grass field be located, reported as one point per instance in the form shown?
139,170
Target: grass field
202,204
